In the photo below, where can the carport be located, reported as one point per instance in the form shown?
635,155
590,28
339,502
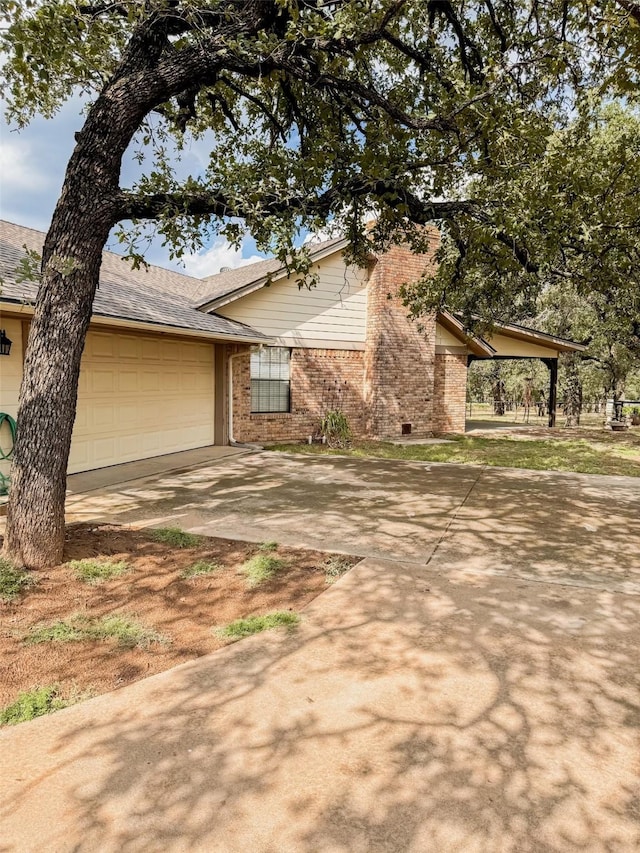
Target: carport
518,342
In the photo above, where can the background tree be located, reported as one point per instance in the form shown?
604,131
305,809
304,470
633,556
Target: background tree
574,212
314,111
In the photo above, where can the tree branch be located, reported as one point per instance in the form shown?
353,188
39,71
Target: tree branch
131,205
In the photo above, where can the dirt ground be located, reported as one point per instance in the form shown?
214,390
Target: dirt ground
154,593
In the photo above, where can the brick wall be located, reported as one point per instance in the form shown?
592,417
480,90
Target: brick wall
399,355
450,392
398,379
320,380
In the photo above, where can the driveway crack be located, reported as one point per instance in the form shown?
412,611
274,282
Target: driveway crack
455,514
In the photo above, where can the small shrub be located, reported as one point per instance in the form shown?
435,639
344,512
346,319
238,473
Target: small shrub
269,546
335,428
202,567
93,571
125,630
37,702
254,624
176,537
13,581
261,568
334,568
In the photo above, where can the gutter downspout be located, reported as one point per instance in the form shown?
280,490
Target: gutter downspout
232,440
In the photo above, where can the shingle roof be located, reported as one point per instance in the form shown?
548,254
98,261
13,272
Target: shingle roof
225,283
150,295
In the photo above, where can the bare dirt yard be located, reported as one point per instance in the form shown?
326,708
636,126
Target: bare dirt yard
165,605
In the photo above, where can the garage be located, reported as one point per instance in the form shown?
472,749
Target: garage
141,396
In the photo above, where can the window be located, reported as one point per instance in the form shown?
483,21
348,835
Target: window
270,380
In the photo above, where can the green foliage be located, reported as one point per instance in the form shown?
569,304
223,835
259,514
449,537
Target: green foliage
202,567
335,428
570,209
78,628
176,537
13,580
262,567
270,545
37,702
357,105
28,268
95,571
254,624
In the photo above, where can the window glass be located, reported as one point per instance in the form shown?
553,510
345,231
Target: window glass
270,380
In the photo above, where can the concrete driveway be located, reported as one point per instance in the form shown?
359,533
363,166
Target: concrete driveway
473,685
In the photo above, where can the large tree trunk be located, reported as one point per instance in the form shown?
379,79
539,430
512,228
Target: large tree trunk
71,261
572,391
35,522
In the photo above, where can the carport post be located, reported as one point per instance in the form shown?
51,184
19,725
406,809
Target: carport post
552,364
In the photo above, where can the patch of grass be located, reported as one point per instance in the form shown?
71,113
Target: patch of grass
37,702
125,630
254,624
176,537
202,567
261,567
334,567
269,546
94,571
604,455
13,581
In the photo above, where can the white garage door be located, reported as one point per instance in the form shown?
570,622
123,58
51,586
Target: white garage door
141,396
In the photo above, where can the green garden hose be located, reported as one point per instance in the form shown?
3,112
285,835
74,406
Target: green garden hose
4,480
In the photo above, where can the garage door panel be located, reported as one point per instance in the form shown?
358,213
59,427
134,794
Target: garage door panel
192,353
103,418
128,380
104,449
150,380
102,381
102,345
172,381
151,350
79,456
171,351
128,347
81,420
140,398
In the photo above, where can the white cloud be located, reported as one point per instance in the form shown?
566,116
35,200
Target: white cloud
19,168
211,260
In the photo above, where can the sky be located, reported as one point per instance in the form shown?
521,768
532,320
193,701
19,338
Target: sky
32,166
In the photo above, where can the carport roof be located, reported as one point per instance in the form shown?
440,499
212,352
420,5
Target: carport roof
152,296
481,348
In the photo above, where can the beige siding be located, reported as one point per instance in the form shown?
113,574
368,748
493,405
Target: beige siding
505,345
10,378
141,396
445,338
331,314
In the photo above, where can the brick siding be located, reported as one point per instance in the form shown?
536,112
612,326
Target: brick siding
398,379
321,379
449,392
399,353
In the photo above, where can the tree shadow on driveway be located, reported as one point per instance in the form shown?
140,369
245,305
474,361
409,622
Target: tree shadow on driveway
409,712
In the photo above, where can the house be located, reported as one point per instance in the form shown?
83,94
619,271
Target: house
173,362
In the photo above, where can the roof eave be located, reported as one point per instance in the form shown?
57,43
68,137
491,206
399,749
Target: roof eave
220,301
521,333
161,328
478,346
